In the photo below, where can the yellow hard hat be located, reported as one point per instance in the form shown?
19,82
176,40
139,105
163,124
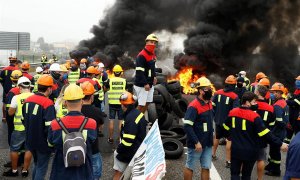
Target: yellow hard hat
117,68
202,82
151,37
73,92
15,75
63,68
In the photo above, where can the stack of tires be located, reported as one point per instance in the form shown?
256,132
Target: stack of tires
168,107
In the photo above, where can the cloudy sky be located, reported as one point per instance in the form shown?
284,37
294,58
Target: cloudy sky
55,20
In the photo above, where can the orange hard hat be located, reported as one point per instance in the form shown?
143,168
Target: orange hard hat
264,82
45,80
230,79
97,71
127,98
91,70
25,65
260,75
298,78
278,87
83,60
87,88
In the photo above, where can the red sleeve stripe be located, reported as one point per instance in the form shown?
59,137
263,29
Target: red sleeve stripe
232,95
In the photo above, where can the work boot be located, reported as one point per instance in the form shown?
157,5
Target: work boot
273,173
10,173
24,173
227,164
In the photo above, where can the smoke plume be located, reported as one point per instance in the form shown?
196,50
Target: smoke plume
221,35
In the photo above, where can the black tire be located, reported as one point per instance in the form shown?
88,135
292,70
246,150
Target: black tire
173,148
183,104
177,109
181,135
157,98
165,121
177,96
174,87
161,79
152,114
167,134
163,91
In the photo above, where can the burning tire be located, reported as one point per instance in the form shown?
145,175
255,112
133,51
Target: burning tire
167,134
181,136
180,107
152,114
165,121
173,148
174,87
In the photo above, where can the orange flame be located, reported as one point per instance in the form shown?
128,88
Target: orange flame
186,77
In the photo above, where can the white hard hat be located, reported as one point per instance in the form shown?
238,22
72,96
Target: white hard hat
54,67
38,70
101,65
242,72
24,81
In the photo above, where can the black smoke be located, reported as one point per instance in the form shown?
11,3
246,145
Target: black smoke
221,34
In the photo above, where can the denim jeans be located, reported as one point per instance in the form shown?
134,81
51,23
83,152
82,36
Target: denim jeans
97,166
41,161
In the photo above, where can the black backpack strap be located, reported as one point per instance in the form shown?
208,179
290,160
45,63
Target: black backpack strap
83,123
61,124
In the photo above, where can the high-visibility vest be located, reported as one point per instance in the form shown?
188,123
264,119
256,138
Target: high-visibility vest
62,110
73,76
101,92
36,77
19,115
116,88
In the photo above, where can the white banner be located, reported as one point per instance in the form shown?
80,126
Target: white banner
149,161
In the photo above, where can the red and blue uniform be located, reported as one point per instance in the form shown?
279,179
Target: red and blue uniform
198,123
294,109
5,79
145,68
29,76
38,112
72,122
247,130
10,119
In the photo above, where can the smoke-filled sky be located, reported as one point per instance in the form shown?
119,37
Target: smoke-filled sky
221,34
55,20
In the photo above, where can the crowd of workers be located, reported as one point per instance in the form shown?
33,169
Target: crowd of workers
61,110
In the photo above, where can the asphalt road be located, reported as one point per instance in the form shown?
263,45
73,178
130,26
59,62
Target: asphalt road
174,167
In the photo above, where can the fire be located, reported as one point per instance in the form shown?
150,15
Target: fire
186,77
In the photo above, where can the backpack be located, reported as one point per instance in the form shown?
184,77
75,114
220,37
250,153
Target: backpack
74,146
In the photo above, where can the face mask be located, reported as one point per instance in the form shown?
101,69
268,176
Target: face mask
254,107
207,95
297,83
55,75
239,85
150,48
272,97
82,66
73,68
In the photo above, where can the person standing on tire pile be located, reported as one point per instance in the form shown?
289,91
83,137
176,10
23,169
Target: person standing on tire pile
38,112
266,112
145,76
198,125
223,101
6,81
281,111
72,121
247,130
133,132
116,86
93,112
294,109
18,136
